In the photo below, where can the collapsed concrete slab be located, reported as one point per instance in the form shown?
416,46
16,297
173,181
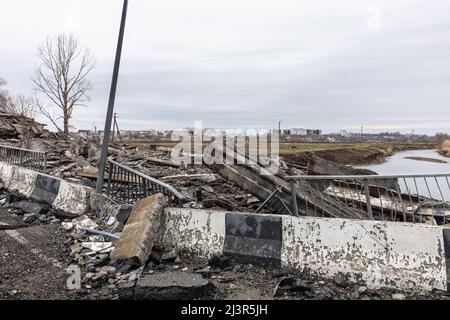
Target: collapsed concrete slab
378,254
140,232
256,179
167,286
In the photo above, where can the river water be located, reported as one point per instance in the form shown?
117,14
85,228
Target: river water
397,164
438,188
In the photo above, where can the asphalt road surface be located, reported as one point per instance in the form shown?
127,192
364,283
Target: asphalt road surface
33,260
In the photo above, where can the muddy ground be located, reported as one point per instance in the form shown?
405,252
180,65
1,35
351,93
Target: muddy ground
373,154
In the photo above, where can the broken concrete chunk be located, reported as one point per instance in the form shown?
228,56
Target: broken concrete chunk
140,232
253,200
29,218
169,256
398,296
84,222
340,281
167,286
67,226
287,285
31,207
65,215
206,178
98,247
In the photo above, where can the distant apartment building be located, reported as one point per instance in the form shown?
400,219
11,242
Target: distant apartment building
302,132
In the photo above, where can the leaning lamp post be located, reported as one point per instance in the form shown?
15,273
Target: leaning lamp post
112,98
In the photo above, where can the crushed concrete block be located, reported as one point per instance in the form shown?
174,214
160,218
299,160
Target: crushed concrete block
287,285
84,222
167,286
30,217
398,296
140,232
98,247
31,207
67,226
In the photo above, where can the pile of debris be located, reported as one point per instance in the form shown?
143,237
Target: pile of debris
19,127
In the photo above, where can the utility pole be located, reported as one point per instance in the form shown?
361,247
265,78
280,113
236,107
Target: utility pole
114,128
361,136
112,98
279,128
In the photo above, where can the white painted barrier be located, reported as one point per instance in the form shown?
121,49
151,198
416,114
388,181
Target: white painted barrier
378,254
201,232
381,254
60,194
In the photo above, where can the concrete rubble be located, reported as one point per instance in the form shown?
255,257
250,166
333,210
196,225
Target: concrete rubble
140,232
15,126
177,275
118,253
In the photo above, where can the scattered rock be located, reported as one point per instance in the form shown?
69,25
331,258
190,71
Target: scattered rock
29,218
340,281
205,272
31,207
67,226
169,256
252,201
167,286
398,296
221,262
84,222
287,285
278,273
362,289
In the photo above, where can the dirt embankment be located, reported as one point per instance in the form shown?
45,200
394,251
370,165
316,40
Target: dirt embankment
444,148
355,156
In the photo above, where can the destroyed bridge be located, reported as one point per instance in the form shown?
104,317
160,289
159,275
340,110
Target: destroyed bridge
384,231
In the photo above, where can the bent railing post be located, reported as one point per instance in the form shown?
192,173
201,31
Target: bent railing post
411,198
132,185
369,205
294,197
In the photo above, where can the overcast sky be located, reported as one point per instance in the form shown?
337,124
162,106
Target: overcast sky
334,65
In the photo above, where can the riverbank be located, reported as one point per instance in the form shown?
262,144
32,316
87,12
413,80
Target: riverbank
352,154
444,148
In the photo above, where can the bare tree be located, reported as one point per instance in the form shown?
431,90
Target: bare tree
4,95
61,76
19,104
23,105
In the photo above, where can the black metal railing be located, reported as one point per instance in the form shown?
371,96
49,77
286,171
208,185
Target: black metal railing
26,158
410,198
127,186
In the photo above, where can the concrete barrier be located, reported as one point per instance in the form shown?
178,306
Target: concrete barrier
198,231
60,194
379,254
15,178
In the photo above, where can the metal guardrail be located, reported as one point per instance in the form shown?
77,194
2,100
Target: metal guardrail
411,198
127,186
26,158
